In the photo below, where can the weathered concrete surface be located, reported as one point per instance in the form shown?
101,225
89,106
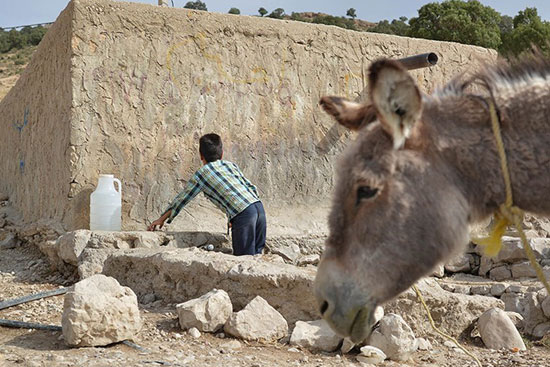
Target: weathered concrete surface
85,251
178,275
35,125
127,89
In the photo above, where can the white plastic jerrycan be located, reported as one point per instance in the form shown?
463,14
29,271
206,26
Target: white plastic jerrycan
106,204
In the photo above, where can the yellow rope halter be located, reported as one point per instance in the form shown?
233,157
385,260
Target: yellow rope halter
507,214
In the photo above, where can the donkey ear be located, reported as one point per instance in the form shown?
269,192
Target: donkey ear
352,115
396,98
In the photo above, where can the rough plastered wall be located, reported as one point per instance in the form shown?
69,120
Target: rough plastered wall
147,81
35,129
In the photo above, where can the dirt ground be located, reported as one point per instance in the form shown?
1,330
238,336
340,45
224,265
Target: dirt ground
24,270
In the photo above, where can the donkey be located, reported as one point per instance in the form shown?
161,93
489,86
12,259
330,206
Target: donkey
422,169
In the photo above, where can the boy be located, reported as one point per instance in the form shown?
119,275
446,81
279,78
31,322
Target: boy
224,184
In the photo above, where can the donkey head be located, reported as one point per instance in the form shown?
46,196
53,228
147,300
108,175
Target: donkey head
396,211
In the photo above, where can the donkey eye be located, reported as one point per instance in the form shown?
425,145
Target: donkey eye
365,192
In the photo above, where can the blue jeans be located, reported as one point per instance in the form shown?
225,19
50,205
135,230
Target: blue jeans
248,230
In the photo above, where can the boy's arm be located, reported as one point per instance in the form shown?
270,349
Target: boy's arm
192,188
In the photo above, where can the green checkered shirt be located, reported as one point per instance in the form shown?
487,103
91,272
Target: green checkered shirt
223,183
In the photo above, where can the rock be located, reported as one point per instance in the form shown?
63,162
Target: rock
516,318
480,289
9,242
439,271
194,332
148,298
257,321
497,331
500,273
515,288
208,313
546,307
498,289
532,313
459,264
315,335
70,245
512,302
512,250
91,260
455,312
523,270
347,346
378,314
370,354
462,289
184,274
423,344
308,260
98,311
289,252
230,345
485,265
394,337
541,330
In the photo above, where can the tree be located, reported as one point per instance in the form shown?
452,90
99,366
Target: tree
528,30
262,11
341,22
277,13
506,24
467,22
234,11
351,13
398,27
197,5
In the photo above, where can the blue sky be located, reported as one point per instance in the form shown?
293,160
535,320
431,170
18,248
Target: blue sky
21,12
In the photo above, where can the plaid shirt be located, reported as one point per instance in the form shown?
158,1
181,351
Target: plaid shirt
223,183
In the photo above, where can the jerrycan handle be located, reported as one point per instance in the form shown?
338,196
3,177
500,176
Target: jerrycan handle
119,185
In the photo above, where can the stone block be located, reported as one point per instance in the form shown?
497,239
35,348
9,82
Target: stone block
98,311
497,331
258,321
208,313
394,337
315,335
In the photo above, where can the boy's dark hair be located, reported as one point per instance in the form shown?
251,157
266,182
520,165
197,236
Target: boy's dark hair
210,147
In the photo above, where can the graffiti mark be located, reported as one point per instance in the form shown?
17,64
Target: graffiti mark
20,125
21,166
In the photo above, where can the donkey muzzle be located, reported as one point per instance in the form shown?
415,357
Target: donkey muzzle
346,309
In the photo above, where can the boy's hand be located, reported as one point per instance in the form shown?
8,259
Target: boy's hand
159,222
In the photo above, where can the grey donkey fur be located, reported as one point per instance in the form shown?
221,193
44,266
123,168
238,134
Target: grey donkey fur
397,213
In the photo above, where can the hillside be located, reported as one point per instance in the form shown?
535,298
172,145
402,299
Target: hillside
11,65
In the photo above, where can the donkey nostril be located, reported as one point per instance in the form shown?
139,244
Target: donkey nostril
324,307
400,111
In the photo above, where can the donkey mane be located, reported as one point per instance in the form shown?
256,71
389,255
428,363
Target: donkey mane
502,77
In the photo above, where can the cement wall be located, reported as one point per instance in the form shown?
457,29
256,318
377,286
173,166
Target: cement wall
148,81
35,125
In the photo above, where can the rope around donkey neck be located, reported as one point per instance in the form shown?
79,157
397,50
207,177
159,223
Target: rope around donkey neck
506,215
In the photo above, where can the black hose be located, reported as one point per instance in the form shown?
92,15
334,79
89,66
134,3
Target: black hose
28,325
32,297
